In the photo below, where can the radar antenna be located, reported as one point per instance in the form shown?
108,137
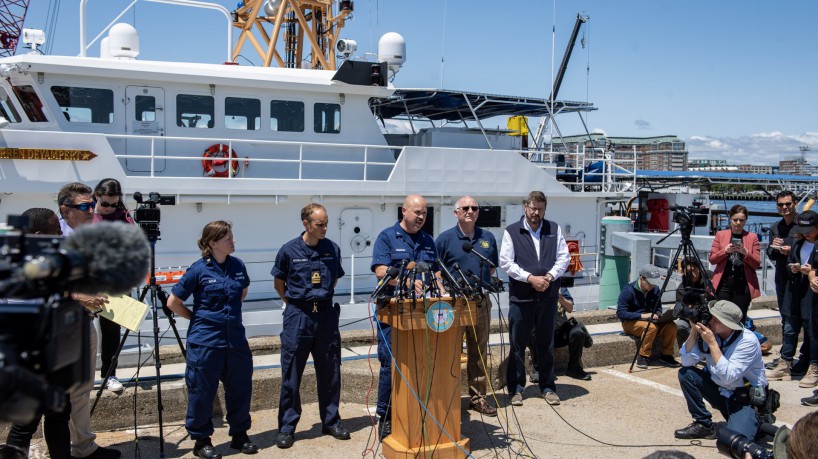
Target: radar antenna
305,28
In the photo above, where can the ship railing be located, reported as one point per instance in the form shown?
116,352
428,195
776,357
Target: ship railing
594,168
371,162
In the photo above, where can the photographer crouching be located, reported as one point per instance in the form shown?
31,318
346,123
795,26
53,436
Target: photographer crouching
732,380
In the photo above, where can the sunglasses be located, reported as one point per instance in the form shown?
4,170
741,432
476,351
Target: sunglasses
470,208
108,204
82,207
783,204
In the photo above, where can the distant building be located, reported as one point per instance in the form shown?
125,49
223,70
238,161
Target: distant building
796,166
662,153
710,165
754,169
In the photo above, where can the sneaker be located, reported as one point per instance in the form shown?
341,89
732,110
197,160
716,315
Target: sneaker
551,397
811,378
517,399
483,407
641,362
810,401
114,385
772,363
578,373
669,361
780,372
696,430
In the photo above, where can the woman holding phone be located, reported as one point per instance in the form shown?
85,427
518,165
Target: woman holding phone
736,254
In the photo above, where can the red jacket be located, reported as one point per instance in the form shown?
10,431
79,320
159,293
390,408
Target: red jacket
752,260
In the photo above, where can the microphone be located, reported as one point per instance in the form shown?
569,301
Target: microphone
390,274
423,268
401,283
467,288
469,249
109,257
449,278
479,282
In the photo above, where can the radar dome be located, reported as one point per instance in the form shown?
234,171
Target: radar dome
104,50
123,41
392,50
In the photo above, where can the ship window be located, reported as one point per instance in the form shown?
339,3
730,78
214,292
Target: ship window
286,116
31,103
194,111
85,105
327,118
145,108
241,113
7,109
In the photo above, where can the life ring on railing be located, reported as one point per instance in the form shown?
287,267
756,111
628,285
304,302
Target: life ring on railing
218,167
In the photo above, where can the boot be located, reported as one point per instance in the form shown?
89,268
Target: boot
781,372
811,378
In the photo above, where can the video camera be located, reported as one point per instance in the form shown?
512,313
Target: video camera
693,307
733,444
148,215
690,216
44,336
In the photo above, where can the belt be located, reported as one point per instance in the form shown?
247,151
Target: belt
310,306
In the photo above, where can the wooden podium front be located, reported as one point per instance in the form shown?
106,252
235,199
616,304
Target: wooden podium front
426,344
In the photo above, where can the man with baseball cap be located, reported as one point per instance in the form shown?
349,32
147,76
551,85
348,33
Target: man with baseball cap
803,260
635,308
733,373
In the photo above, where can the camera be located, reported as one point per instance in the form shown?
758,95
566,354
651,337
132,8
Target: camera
735,445
690,216
693,307
148,215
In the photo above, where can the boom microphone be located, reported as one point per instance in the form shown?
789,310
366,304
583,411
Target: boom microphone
108,257
391,273
469,249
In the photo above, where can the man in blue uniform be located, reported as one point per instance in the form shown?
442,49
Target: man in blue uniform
306,271
450,247
396,245
535,255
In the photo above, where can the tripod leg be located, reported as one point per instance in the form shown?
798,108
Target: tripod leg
105,377
163,298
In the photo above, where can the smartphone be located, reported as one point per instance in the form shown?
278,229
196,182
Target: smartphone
736,241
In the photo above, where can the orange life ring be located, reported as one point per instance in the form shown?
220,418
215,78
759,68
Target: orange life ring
218,167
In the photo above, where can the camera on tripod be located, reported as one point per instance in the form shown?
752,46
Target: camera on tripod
693,307
690,216
148,215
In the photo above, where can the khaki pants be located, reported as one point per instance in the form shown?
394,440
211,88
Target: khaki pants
667,331
82,439
477,338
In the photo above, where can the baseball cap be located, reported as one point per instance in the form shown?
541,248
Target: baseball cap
805,222
727,312
650,272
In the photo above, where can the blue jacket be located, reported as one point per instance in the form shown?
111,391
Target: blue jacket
633,303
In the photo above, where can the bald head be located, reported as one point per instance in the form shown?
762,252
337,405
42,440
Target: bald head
414,213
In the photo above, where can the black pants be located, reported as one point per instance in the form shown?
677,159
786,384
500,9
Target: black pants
737,292
109,332
55,431
573,337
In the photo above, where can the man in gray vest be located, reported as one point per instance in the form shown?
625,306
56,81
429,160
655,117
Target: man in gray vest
534,255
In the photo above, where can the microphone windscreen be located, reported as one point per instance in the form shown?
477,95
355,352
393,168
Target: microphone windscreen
392,272
118,257
411,265
423,267
467,247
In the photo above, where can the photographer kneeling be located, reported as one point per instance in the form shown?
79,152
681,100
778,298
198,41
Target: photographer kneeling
732,377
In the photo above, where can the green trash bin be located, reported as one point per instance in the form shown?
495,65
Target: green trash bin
615,269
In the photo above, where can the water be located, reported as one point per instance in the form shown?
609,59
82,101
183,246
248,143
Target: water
756,224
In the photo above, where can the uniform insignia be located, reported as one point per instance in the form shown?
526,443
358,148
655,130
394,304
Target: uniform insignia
484,244
316,277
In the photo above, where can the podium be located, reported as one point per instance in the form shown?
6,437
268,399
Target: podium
426,344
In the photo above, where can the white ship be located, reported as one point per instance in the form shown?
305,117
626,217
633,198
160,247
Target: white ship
296,135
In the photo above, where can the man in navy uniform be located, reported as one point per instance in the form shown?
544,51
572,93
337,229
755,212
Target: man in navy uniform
535,255
450,247
401,243
306,271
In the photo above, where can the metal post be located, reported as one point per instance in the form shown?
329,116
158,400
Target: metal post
352,279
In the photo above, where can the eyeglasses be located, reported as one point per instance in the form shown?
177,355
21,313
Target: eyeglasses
536,210
108,204
82,207
470,208
783,204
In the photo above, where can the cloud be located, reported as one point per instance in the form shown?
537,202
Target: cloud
763,148
642,124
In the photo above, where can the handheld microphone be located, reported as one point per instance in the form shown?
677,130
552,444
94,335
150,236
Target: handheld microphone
468,248
449,278
109,257
390,274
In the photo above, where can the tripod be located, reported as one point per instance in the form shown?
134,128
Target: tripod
686,250
157,297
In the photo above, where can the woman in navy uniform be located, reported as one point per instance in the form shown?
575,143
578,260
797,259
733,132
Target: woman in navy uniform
217,347
306,271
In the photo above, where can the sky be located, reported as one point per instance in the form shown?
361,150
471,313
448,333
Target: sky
734,79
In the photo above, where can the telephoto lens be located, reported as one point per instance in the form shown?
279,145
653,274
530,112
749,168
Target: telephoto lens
733,444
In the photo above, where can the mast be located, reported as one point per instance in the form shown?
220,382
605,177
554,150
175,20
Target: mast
307,30
12,16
